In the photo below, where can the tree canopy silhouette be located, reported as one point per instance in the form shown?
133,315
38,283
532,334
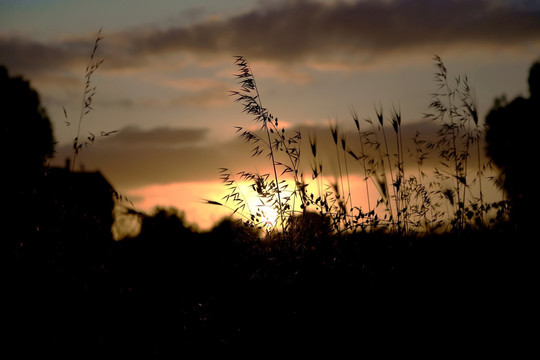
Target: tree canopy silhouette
512,131
27,142
27,136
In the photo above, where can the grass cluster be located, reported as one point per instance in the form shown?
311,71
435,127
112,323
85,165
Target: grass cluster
413,196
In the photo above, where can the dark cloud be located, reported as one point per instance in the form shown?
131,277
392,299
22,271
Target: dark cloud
295,30
28,56
163,136
135,157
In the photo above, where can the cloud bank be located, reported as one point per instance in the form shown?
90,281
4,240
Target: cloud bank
136,157
298,30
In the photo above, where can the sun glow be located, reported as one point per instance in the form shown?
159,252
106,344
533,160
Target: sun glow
268,216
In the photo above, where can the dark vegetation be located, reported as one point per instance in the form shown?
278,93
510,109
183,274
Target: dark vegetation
513,147
71,291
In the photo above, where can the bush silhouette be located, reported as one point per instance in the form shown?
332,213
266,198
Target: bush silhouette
512,128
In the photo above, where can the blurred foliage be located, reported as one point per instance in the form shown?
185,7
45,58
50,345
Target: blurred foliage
171,291
512,128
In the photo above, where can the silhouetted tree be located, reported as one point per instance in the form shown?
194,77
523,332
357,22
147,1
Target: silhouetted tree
27,137
27,142
512,134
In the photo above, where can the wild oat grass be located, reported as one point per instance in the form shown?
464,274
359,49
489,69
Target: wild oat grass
122,213
412,198
87,102
271,140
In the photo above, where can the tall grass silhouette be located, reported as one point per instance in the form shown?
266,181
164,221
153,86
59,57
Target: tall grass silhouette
271,140
413,196
87,101
80,141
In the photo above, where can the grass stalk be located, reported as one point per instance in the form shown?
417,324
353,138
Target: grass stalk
335,132
253,105
380,117
362,158
87,98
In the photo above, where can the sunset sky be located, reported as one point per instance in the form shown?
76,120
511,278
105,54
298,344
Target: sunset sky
164,85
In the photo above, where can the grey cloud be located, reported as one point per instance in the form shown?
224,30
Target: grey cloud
163,136
28,56
202,98
135,157
295,30
303,28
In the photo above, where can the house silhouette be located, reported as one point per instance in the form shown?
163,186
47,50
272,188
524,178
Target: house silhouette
83,201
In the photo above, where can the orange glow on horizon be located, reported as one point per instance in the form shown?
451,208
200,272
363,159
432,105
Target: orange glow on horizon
184,196
191,199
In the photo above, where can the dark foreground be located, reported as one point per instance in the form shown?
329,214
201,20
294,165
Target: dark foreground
176,293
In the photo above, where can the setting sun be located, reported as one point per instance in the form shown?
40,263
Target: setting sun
269,216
